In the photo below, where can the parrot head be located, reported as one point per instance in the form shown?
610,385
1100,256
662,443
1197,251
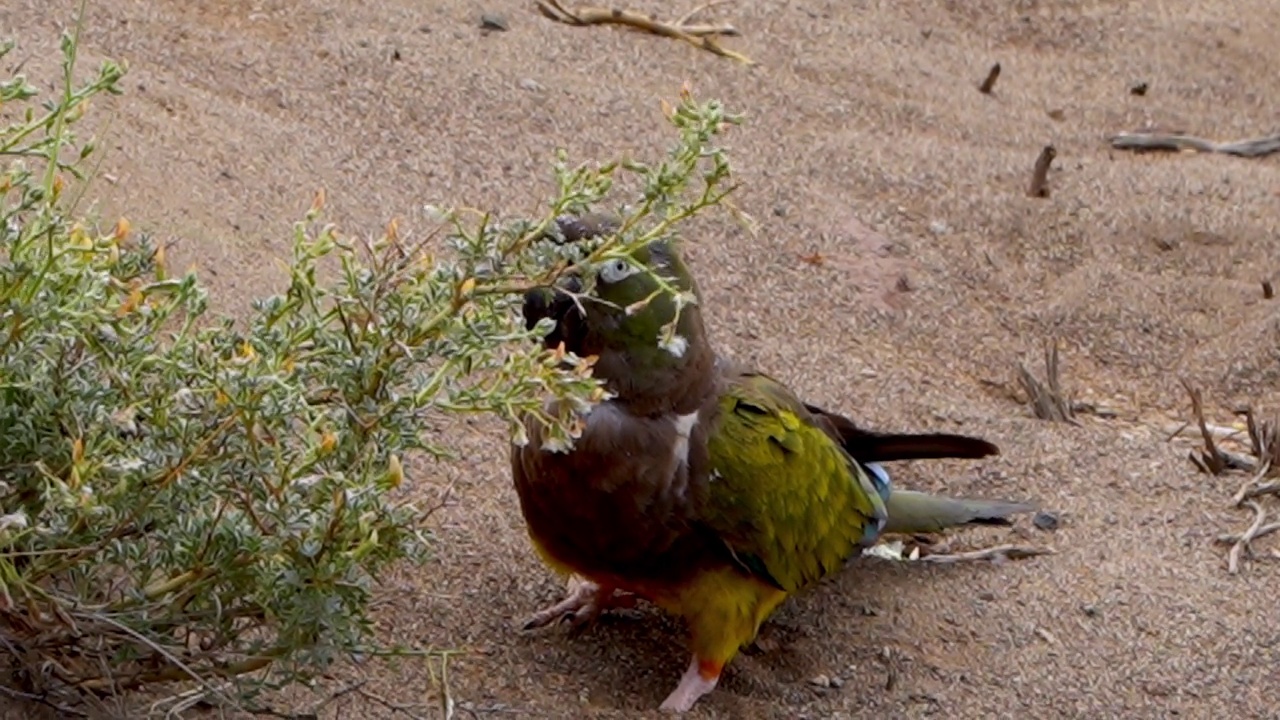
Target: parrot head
648,339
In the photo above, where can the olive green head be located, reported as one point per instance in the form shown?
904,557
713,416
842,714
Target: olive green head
638,315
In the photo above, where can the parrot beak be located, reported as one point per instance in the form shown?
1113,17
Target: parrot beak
555,302
537,305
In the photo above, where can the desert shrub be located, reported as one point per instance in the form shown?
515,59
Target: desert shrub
204,501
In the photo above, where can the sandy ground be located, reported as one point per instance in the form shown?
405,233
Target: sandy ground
868,143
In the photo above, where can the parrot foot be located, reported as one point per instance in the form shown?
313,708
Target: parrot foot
698,680
583,603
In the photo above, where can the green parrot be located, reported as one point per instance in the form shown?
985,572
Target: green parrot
701,485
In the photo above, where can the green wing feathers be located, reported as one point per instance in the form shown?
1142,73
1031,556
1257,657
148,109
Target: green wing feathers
787,500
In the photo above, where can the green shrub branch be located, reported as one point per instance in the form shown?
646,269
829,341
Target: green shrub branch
192,498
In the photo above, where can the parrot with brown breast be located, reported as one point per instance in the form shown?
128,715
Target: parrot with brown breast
703,486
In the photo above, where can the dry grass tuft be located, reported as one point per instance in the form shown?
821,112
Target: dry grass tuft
1264,442
1046,398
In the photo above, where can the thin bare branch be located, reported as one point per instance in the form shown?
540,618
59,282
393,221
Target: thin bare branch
998,553
1259,516
1232,538
1170,142
1254,487
699,36
1210,460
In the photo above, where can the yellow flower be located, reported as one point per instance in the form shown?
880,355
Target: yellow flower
122,230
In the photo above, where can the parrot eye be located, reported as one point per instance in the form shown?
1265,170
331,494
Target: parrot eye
617,270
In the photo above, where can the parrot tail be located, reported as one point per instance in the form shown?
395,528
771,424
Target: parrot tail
917,512
869,446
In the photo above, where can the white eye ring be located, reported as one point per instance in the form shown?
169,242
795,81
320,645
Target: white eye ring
617,270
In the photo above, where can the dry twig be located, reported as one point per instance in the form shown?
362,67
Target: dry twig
1232,538
1254,487
700,36
410,711
990,82
1171,142
42,699
1211,460
1264,440
995,554
1233,558
1220,432
1271,488
1264,437
1040,173
1046,398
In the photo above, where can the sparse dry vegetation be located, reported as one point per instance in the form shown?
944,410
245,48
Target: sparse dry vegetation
1263,462
1046,397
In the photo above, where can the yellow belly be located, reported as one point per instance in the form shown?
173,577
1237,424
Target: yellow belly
724,609
722,606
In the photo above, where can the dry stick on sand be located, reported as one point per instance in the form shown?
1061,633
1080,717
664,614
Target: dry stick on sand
1264,441
1233,558
700,36
1232,538
998,553
1264,438
1046,398
1040,173
1211,460
1254,488
989,83
1170,142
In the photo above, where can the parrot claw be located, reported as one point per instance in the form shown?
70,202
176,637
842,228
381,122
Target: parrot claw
583,604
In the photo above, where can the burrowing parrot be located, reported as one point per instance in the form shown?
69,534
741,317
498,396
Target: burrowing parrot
701,485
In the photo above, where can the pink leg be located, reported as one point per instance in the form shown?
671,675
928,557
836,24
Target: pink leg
583,603
698,680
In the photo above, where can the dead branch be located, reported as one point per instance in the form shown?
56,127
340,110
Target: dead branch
1040,173
998,553
1233,558
1232,538
1264,437
1234,460
41,699
1271,488
1211,460
700,36
409,711
1220,432
1170,142
1046,398
1255,488
990,82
